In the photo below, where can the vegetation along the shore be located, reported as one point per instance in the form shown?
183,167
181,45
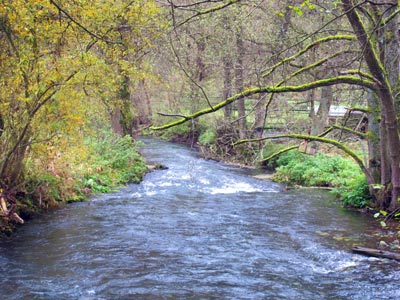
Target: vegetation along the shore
250,82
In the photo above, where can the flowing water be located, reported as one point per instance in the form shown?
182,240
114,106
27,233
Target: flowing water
199,230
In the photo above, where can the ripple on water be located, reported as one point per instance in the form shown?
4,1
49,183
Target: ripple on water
199,230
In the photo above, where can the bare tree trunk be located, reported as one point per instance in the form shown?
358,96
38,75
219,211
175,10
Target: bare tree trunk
259,118
374,155
320,119
141,102
227,90
1,125
147,100
239,83
115,117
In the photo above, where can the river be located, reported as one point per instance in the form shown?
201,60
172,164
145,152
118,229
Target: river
198,230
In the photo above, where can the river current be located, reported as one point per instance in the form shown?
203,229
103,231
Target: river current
198,230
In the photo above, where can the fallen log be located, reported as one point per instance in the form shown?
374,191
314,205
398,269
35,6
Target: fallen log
376,253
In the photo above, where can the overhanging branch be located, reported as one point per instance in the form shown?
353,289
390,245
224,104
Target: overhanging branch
349,130
352,80
273,155
309,138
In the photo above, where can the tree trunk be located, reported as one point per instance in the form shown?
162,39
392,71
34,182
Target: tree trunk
141,103
125,106
374,154
115,118
320,119
239,83
259,118
385,94
1,125
376,253
390,52
227,90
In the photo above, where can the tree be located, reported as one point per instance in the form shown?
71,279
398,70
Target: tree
54,72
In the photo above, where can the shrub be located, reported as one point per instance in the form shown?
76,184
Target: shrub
295,168
104,162
354,192
114,160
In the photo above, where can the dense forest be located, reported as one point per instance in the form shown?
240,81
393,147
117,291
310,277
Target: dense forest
308,87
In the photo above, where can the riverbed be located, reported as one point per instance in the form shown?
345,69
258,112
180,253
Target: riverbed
197,230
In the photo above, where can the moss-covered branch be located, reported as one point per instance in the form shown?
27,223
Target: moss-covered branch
273,155
245,93
314,65
280,152
309,138
352,80
360,109
361,74
307,48
349,130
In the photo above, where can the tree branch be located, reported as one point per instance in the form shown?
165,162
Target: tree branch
276,154
273,89
208,10
307,48
186,72
80,25
305,137
349,130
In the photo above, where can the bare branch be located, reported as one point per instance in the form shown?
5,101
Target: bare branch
208,10
170,115
187,74
307,48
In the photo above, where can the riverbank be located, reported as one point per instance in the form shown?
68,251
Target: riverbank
109,162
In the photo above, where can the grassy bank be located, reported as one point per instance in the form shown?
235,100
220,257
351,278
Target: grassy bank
323,170
104,162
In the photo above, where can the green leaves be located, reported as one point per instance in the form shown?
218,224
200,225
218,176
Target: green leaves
299,9
349,183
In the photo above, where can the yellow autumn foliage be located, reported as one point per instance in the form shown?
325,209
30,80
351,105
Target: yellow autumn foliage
62,66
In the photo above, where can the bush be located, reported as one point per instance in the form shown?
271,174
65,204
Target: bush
104,162
354,192
295,168
114,160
